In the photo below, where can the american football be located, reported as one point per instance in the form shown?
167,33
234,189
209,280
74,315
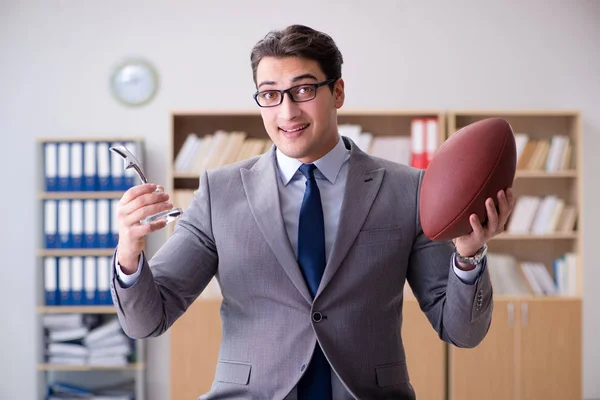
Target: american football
472,165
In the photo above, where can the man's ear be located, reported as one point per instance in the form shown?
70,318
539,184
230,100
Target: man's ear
338,93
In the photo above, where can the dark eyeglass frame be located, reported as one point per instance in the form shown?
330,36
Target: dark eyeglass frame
288,91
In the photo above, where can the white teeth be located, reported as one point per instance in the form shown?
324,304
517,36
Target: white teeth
294,130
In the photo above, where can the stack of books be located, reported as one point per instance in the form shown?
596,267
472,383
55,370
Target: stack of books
67,391
78,339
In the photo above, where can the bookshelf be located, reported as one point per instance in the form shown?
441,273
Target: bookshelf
79,183
529,326
195,337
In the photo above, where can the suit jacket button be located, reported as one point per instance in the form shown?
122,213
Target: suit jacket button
317,316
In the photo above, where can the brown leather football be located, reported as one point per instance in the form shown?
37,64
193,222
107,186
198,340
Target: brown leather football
471,165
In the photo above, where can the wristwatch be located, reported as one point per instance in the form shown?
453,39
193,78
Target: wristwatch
475,258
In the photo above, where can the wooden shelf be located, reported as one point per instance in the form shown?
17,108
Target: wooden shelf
531,236
533,298
87,139
55,367
108,373
76,310
527,326
543,174
75,252
81,195
518,175
186,175
516,112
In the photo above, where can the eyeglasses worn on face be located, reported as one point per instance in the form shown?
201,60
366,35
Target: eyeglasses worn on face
298,94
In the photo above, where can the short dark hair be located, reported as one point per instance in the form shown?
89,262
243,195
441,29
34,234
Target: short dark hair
300,41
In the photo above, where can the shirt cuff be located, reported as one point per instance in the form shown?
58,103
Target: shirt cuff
128,280
467,277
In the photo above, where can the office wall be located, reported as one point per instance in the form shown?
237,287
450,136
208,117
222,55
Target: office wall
56,57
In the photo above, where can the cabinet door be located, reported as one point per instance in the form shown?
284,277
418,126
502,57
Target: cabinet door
488,370
550,349
425,353
195,341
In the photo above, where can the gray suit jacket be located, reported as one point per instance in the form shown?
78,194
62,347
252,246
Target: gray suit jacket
233,229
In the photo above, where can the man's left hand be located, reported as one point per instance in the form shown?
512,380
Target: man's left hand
468,245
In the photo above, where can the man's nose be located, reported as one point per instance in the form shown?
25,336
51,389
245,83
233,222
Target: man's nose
288,109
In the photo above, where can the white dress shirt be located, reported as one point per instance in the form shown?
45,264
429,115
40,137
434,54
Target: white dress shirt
331,175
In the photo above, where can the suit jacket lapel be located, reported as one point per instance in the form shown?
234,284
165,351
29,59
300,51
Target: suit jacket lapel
362,186
260,185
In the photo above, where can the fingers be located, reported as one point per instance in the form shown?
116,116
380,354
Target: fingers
143,230
137,191
478,230
136,216
140,202
145,199
492,215
506,202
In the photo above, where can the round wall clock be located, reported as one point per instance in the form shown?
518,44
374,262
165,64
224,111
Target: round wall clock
134,82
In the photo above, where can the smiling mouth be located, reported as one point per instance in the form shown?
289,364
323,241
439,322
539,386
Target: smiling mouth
295,129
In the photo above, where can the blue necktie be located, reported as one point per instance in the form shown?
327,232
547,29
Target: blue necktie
316,381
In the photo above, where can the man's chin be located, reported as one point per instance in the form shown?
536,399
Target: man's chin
293,151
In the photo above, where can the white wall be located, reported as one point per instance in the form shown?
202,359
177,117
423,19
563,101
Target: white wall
56,57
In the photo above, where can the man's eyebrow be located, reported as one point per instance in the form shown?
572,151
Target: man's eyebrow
266,83
304,76
295,79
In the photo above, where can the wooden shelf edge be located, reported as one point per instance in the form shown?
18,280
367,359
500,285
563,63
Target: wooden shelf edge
514,112
186,175
572,173
55,367
75,252
76,310
81,195
88,139
512,297
531,297
342,112
530,236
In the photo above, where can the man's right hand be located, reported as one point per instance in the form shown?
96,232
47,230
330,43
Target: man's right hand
137,203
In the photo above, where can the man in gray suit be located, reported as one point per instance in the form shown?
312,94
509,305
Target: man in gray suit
311,244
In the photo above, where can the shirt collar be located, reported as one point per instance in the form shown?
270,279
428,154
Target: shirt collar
329,165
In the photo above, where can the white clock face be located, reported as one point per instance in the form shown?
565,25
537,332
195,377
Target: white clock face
134,82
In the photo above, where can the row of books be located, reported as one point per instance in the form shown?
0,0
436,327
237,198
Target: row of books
80,223
200,153
415,148
551,155
542,215
72,281
512,277
83,339
87,166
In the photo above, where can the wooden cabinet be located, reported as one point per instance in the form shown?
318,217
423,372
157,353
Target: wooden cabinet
425,353
550,354
487,371
195,342
531,352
